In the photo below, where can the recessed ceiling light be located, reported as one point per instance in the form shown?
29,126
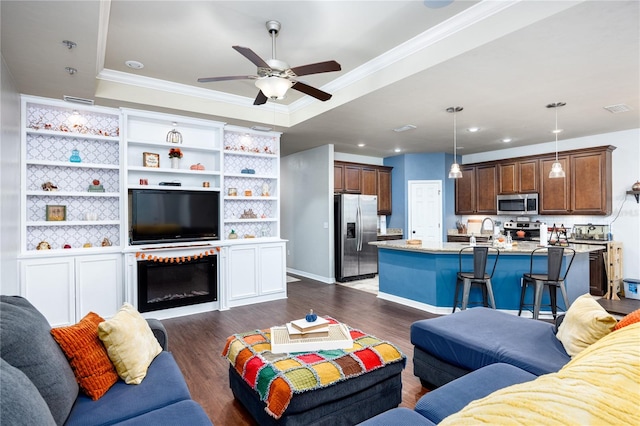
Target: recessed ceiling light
506,140
404,128
397,150
134,65
473,129
361,145
556,131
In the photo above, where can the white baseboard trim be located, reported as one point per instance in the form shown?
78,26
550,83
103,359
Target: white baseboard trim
326,280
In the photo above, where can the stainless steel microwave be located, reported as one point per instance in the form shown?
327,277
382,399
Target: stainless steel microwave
518,204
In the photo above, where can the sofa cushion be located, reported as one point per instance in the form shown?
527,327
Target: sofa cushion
481,336
130,343
599,386
181,413
397,416
163,385
585,323
20,401
27,344
452,397
87,355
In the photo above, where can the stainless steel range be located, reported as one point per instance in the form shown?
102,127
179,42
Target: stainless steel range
523,230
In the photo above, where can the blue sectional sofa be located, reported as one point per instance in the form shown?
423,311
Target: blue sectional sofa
507,367
39,386
451,346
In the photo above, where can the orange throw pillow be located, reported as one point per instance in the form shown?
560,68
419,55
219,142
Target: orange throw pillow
87,355
629,319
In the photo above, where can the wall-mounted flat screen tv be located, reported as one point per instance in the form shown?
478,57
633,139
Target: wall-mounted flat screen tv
159,216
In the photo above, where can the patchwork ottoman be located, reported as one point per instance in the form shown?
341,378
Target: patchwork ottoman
334,387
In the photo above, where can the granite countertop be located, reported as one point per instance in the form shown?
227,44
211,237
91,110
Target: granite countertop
523,247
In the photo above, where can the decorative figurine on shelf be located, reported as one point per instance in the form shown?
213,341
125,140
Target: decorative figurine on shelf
48,186
87,245
175,155
174,136
233,235
311,317
67,246
43,245
96,186
197,166
248,214
265,189
75,156
106,242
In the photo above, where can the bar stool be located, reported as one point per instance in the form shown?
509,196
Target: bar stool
551,280
477,277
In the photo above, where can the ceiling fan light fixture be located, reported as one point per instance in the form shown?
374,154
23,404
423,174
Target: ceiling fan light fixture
274,87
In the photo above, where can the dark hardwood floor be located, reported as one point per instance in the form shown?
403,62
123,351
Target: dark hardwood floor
196,341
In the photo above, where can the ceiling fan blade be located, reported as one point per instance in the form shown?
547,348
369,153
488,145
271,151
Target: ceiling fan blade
317,68
260,99
230,77
252,56
311,91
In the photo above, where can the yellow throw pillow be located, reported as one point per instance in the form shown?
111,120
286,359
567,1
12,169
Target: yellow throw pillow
585,323
130,344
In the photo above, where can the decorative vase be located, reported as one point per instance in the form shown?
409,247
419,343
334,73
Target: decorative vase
175,162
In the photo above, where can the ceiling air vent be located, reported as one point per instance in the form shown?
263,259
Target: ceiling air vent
615,109
76,100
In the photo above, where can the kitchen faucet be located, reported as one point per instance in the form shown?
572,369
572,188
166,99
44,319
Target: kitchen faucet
493,225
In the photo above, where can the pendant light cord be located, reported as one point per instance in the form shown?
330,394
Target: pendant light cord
556,133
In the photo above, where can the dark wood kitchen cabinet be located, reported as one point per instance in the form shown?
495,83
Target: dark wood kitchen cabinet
586,189
384,190
367,179
590,183
476,190
597,273
518,177
465,191
555,193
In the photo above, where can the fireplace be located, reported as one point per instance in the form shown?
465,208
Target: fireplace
163,285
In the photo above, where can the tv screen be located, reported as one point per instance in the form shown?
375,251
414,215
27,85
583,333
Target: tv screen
167,216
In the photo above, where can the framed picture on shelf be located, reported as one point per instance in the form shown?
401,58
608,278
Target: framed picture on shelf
150,159
56,213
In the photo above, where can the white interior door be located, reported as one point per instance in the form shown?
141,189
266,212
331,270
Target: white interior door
425,210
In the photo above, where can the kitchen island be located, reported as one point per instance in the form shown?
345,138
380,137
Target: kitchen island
424,276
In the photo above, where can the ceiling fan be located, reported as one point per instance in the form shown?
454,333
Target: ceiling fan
275,77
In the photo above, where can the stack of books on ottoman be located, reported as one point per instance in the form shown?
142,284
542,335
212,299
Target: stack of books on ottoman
306,336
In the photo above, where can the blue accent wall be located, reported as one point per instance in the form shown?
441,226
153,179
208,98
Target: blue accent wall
408,167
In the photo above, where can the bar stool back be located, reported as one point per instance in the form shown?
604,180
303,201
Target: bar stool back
552,280
477,277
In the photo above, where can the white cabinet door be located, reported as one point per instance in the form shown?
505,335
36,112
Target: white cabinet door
98,284
243,276
49,284
272,268
65,289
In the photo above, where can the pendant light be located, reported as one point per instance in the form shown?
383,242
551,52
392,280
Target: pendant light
454,172
556,167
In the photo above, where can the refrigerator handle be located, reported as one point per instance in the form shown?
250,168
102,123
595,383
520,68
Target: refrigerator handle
359,229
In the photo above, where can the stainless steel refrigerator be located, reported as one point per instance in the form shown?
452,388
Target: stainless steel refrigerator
356,224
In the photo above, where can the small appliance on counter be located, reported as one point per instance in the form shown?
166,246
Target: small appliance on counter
592,232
